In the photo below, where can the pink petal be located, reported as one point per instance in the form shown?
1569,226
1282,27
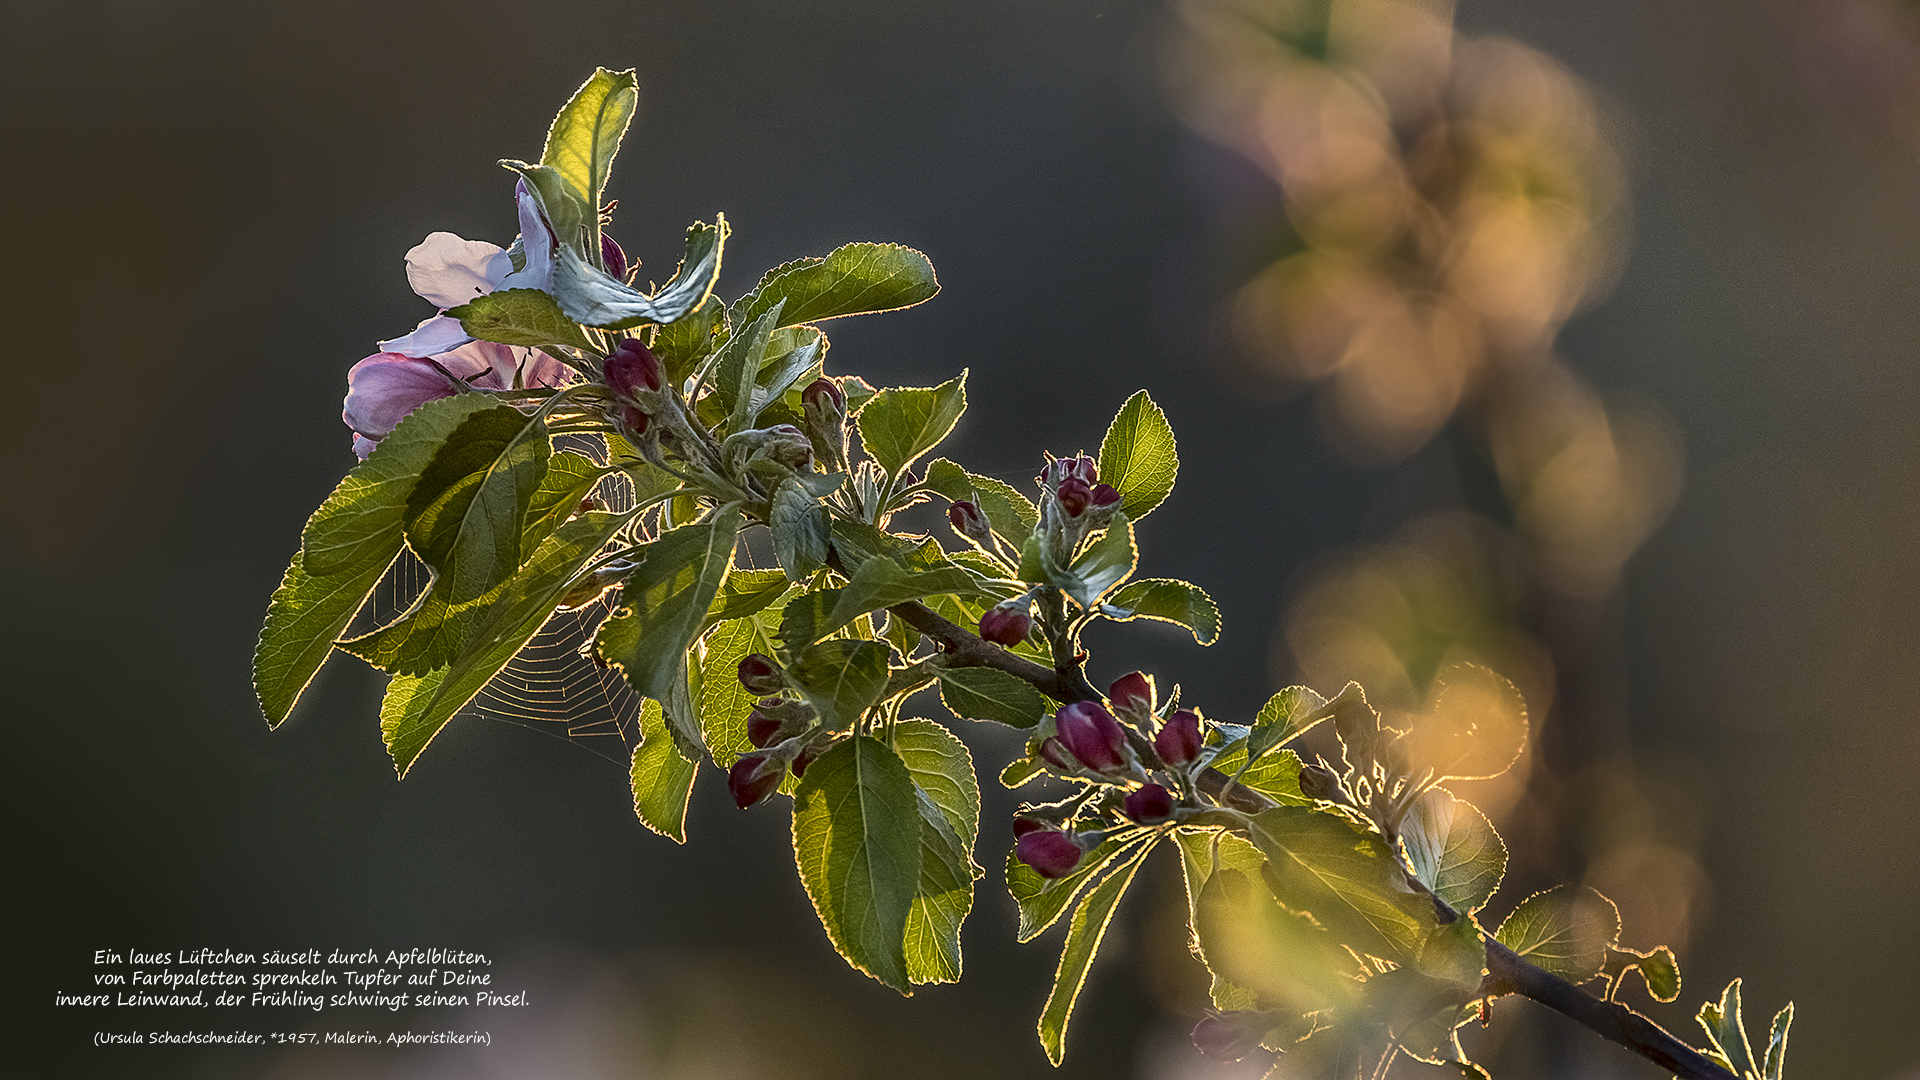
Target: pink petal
448,271
385,387
485,364
362,446
543,370
536,243
432,337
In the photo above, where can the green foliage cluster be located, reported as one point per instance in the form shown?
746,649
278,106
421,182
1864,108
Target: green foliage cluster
1336,904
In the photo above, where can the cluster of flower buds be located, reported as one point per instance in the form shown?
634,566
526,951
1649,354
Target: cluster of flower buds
772,723
1074,485
1007,624
1086,740
635,376
823,406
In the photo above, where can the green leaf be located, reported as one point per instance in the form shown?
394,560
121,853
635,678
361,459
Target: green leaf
1277,776
1105,563
1285,715
565,211
949,801
841,678
1084,931
1010,514
901,423
432,631
1475,730
1138,456
417,707
806,619
791,355
1169,601
1043,900
1727,1032
465,517
857,843
665,601
1342,875
745,592
682,344
588,296
362,521
1657,967
1261,955
880,583
1566,931
800,529
983,693
662,779
857,541
1454,850
723,702
520,317
304,617
1776,1061
1020,771
587,131
734,369
856,279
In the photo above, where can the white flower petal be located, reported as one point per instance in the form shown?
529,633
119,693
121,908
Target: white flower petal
448,271
431,338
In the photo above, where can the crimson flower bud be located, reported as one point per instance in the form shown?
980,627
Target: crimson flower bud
1319,782
1150,805
1102,496
968,521
633,368
800,763
1022,826
1083,469
1227,1037
1005,625
823,394
762,730
635,420
1131,693
1056,754
1074,495
1093,736
749,783
1051,853
759,675
615,258
1178,740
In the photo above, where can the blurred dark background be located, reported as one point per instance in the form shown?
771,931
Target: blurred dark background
207,205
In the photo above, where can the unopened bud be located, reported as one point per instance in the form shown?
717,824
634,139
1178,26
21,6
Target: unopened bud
1178,740
1051,853
968,521
633,368
614,258
1131,693
760,675
1005,626
1084,469
801,762
1150,805
1074,496
1092,736
749,782
763,730
1102,496
635,420
1055,753
825,395
1022,826
789,446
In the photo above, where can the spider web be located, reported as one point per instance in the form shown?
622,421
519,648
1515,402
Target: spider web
551,685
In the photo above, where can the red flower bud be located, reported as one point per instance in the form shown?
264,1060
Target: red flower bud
1083,468
1056,754
632,368
1103,496
749,783
613,257
968,521
1005,626
1131,692
800,763
1178,741
635,420
762,730
759,675
1052,854
1092,735
823,394
1022,826
1074,495
1228,1036
1150,805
